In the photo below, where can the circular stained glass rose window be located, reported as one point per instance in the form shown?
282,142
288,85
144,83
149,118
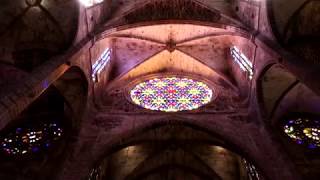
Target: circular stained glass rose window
171,94
304,131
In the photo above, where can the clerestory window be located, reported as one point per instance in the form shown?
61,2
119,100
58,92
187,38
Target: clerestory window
243,62
99,65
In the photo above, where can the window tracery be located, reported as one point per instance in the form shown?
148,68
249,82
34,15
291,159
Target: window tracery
34,139
171,94
243,62
98,66
304,131
251,170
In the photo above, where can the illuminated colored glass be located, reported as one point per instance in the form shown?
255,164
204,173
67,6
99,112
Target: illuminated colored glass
304,131
171,94
98,66
251,170
243,62
31,140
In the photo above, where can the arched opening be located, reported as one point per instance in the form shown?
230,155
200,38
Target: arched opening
294,120
73,86
273,84
37,142
300,133
183,148
296,26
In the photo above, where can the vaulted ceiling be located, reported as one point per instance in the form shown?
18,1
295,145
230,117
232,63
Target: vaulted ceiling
297,26
159,37
31,31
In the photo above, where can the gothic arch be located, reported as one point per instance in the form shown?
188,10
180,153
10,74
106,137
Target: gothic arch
295,28
73,86
273,76
36,159
142,136
220,126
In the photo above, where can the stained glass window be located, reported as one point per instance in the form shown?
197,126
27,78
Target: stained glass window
304,131
252,172
98,66
171,94
29,140
243,62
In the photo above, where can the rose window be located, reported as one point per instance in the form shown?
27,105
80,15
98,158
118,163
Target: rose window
171,94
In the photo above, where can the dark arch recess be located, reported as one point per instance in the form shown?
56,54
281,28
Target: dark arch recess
166,167
54,102
268,113
121,144
49,106
73,86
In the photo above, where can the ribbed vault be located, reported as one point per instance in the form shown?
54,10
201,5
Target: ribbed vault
31,31
112,137
297,26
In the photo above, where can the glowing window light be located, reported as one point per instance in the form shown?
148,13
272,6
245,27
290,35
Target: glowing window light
304,131
88,3
243,62
98,66
30,140
171,94
251,170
